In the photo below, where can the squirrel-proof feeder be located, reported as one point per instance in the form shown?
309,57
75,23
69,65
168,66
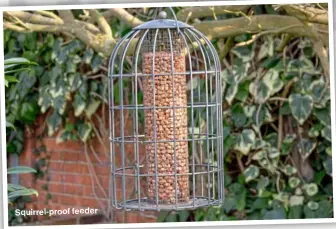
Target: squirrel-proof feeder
165,101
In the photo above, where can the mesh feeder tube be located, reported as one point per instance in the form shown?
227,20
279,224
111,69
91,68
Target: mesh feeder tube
166,124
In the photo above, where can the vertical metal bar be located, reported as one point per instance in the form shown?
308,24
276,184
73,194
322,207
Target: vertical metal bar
220,171
154,125
174,130
207,110
199,111
220,168
111,120
136,115
192,118
121,96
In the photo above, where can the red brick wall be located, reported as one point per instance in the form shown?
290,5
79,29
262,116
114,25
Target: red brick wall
69,179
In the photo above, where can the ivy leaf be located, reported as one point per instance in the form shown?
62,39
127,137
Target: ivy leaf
79,104
301,106
273,81
45,99
238,115
311,189
326,133
251,173
84,131
312,205
92,107
245,141
260,91
293,182
289,170
327,164
278,213
54,121
296,200
306,147
88,54
316,89
75,81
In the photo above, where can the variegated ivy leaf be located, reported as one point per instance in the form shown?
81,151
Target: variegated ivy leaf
317,88
293,182
84,131
296,200
45,100
326,133
259,144
329,151
282,197
264,115
273,153
298,191
301,106
315,130
289,170
92,107
266,48
259,155
306,147
273,81
245,53
251,173
231,92
79,105
63,136
312,205
263,182
311,189
260,91
59,104
54,121
245,141
75,81
300,66
287,144
327,164
249,110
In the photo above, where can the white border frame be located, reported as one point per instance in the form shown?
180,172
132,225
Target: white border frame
166,4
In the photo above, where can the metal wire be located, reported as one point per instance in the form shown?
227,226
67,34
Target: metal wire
203,105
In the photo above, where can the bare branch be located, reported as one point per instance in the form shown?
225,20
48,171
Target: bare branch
256,24
126,17
104,26
308,13
66,15
204,11
33,18
49,14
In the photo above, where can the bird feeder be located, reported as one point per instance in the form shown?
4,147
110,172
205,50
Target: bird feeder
165,119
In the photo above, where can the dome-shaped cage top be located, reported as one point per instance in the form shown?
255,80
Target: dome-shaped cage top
174,104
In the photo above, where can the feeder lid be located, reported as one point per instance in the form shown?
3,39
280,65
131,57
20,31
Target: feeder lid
162,24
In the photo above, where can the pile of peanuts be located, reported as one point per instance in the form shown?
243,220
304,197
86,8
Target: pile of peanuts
160,125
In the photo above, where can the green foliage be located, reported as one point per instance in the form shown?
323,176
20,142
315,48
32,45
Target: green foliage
256,99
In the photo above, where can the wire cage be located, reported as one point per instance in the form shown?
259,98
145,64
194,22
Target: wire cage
166,126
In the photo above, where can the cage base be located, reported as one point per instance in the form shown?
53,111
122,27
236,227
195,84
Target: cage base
146,204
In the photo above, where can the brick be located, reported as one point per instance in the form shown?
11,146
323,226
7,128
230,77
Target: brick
69,178
72,189
55,155
85,180
56,166
72,168
71,156
51,145
69,200
56,187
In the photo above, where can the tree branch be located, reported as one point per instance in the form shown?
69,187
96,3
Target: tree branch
307,13
124,16
101,21
202,11
255,24
33,18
